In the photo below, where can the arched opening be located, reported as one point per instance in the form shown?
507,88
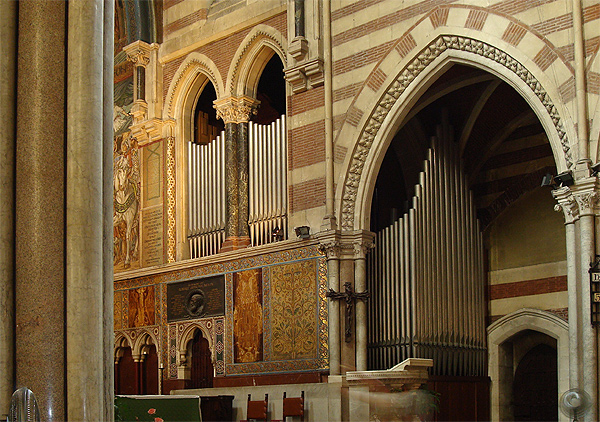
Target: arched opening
202,371
267,142
535,385
206,173
149,373
469,149
125,373
206,125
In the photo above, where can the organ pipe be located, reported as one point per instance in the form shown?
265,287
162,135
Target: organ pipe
426,274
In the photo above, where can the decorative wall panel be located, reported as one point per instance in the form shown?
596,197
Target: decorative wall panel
247,316
293,311
141,307
283,297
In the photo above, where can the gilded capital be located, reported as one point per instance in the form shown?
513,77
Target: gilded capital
236,109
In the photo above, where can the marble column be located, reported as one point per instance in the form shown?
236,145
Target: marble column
360,286
587,199
332,251
8,60
85,229
139,52
40,200
235,113
107,210
579,204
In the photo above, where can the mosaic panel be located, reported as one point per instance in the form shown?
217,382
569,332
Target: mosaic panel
247,316
294,311
118,310
319,358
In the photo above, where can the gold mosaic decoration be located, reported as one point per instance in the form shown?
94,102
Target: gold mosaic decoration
171,199
294,303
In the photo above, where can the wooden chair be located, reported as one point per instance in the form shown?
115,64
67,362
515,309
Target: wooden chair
293,406
257,409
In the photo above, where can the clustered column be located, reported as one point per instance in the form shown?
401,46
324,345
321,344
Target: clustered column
579,204
235,113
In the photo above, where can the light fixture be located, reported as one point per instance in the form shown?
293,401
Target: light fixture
303,232
548,180
277,234
560,180
564,179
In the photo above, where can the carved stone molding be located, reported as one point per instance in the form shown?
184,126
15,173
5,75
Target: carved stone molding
566,204
403,81
236,109
138,52
306,74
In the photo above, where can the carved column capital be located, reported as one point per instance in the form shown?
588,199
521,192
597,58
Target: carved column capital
578,200
138,52
362,248
331,248
236,109
567,204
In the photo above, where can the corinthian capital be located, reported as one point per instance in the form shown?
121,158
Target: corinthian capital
236,109
138,52
567,204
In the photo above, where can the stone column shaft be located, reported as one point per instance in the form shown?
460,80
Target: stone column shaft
333,279
8,88
360,284
84,203
107,209
589,341
40,198
574,304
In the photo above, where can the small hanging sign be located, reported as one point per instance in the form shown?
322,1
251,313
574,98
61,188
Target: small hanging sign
595,290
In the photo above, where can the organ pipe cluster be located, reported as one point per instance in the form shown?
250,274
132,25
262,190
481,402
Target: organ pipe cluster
426,275
267,188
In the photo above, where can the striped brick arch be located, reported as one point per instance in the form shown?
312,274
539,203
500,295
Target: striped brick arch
394,93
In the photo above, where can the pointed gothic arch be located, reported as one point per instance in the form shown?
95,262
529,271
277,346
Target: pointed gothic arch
501,332
254,52
421,61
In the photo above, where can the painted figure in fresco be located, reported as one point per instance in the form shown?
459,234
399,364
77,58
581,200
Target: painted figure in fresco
126,202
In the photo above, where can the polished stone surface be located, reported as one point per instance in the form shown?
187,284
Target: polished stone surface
40,196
